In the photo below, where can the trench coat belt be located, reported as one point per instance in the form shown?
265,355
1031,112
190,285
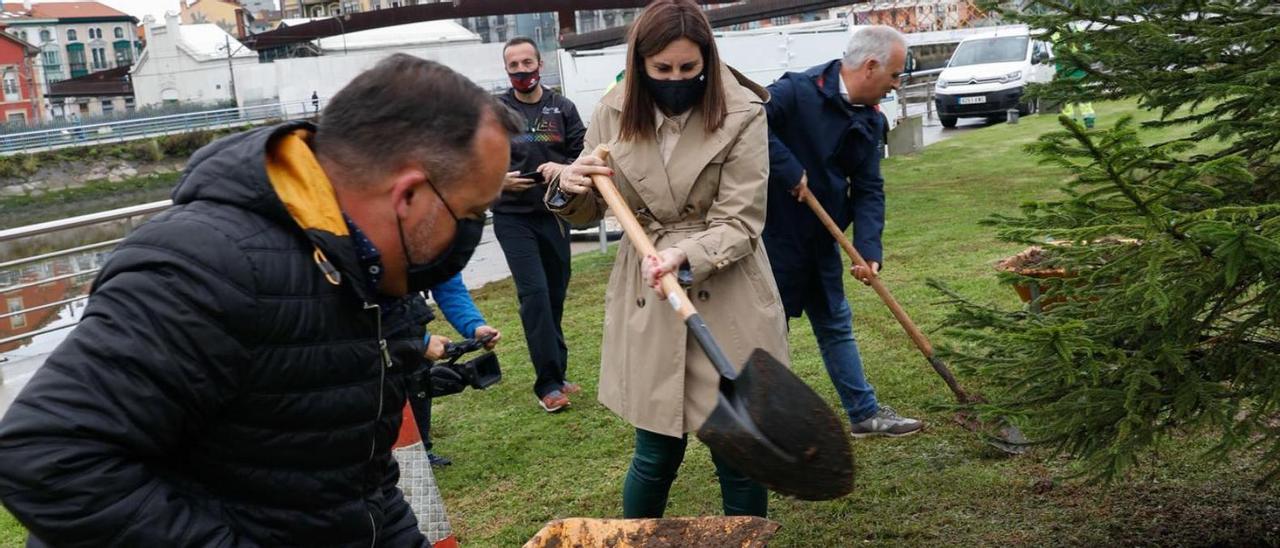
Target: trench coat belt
657,230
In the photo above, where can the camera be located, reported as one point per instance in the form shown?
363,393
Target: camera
448,376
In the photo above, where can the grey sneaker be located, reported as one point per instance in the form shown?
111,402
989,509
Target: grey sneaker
886,422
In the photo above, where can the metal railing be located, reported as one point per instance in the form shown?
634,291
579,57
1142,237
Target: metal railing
918,88
77,222
125,130
57,226
93,219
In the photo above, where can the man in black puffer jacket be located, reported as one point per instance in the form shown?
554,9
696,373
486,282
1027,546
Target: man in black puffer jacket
240,370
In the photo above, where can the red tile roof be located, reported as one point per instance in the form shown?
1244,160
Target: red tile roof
65,10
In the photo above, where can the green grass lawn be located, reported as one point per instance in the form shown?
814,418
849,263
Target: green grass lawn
517,467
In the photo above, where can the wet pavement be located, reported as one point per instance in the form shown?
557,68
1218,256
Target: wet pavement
933,130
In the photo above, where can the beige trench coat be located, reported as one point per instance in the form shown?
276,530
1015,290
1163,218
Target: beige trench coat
709,201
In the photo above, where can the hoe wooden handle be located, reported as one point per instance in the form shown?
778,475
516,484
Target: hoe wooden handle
914,332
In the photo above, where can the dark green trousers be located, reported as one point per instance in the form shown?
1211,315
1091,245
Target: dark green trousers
654,467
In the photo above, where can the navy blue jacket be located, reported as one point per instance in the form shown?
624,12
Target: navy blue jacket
814,131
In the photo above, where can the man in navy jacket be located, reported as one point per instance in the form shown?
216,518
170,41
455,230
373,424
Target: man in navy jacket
826,138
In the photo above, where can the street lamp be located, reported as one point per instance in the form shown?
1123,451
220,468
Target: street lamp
343,29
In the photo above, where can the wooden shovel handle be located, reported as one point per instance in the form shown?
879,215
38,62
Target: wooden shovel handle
921,341
670,287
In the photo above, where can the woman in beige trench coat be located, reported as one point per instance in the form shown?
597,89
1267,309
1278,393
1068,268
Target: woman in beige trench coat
689,152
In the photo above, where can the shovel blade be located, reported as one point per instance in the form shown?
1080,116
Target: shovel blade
776,430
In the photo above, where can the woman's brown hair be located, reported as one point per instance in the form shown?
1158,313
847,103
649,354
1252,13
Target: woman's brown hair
661,23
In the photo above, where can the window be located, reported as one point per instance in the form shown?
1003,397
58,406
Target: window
95,33
17,118
51,59
990,50
15,304
11,90
76,59
129,104
123,56
71,35
45,36
119,32
108,107
99,58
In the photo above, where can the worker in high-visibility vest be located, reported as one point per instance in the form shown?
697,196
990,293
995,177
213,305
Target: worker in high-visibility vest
1076,110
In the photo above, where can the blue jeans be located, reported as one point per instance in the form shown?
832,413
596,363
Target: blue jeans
832,321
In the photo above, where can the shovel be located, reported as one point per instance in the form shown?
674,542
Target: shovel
1004,436
767,422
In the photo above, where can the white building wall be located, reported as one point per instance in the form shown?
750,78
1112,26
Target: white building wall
294,80
167,72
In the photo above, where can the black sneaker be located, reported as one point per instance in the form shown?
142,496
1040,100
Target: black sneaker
886,422
437,460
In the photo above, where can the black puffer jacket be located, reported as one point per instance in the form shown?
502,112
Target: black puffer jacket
221,388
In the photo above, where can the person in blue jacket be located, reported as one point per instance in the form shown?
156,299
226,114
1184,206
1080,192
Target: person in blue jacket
826,138
460,311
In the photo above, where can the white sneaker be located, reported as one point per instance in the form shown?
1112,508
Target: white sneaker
886,422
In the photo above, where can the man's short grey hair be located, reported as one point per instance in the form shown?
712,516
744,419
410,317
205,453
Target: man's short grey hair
872,42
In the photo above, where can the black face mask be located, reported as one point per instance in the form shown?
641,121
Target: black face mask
676,96
424,276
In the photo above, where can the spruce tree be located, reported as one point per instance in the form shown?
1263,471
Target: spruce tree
1167,319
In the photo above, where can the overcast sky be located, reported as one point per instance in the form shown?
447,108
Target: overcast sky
139,8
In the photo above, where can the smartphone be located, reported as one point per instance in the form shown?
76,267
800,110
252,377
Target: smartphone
535,175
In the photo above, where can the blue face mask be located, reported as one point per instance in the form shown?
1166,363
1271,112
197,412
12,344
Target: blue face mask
424,276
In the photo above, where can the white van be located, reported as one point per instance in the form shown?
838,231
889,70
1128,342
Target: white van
988,73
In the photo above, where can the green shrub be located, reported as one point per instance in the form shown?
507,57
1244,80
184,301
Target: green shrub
181,145
147,150
19,165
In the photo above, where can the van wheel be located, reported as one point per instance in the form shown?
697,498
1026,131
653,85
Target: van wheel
948,121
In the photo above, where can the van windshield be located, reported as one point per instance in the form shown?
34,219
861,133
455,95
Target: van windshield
990,50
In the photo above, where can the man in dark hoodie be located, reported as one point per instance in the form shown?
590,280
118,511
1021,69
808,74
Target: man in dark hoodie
238,375
536,242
